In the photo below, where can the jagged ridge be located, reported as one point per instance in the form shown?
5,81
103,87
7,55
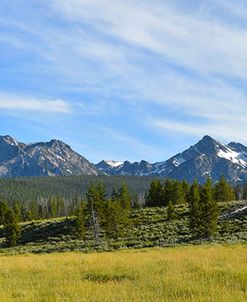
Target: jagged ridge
53,158
207,158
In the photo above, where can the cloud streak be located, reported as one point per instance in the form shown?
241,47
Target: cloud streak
15,103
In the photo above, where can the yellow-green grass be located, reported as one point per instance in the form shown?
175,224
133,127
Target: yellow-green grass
192,273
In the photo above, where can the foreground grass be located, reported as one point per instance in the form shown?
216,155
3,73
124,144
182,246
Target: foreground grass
199,273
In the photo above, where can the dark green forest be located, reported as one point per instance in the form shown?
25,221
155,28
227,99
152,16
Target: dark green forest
33,188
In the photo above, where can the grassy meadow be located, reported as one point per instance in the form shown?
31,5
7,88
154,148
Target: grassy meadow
191,273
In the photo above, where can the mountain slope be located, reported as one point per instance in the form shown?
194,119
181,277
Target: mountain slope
41,159
207,158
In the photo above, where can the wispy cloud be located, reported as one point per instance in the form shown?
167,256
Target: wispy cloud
225,132
13,102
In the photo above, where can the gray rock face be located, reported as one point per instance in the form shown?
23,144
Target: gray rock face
41,159
207,158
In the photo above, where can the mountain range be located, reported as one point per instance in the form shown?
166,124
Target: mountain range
41,159
207,158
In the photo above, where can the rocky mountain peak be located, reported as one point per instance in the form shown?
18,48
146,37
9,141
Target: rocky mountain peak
208,157
41,159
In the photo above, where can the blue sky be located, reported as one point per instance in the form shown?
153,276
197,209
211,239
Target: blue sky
123,79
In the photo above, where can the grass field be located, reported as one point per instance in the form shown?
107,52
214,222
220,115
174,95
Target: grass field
192,273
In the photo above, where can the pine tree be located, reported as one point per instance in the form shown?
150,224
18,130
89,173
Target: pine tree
210,213
95,199
186,190
155,194
115,194
171,214
17,210
11,227
3,210
81,220
223,191
124,197
114,219
195,211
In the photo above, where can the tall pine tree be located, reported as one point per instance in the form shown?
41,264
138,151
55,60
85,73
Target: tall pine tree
223,191
209,211
95,198
195,210
12,228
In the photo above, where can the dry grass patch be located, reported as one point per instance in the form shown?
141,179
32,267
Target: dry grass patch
199,273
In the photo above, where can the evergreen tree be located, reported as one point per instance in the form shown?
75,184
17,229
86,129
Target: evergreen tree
124,197
171,214
95,199
195,210
3,210
114,220
11,227
17,210
223,191
186,190
209,211
115,194
155,194
169,192
81,219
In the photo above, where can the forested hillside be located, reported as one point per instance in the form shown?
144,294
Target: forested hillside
33,188
148,227
172,212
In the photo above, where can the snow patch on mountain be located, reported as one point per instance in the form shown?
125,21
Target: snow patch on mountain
233,156
114,163
178,161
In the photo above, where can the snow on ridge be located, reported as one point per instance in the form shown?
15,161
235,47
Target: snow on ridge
233,156
114,163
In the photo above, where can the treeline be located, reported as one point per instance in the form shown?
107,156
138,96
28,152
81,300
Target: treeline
33,189
176,192
55,206
160,193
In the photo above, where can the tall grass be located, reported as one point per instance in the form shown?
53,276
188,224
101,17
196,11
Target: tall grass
199,273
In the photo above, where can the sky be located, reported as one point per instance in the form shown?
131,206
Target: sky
123,79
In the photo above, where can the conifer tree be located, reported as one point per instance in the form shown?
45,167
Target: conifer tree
95,199
209,211
171,214
124,197
17,210
3,210
11,227
155,194
195,210
223,191
81,216
114,219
